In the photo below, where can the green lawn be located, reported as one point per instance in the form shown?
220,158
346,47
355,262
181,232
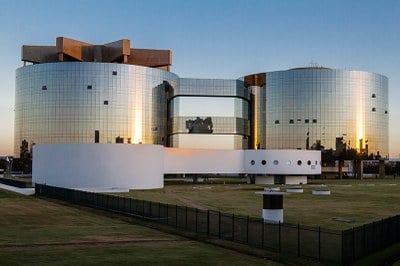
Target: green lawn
364,201
40,232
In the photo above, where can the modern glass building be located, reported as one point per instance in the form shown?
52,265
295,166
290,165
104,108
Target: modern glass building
81,102
315,106
209,113
77,92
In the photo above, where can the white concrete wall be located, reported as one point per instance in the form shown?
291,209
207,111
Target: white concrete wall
202,161
264,180
98,166
277,162
296,180
126,166
282,162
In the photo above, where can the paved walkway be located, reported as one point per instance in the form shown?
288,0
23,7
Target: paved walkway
23,191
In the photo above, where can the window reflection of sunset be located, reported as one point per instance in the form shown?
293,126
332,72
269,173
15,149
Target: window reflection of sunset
137,122
360,115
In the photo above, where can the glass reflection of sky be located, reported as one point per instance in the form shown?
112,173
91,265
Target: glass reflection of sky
204,106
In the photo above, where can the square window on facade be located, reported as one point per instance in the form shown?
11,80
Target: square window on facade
386,111
44,88
291,121
373,109
373,95
314,121
105,102
89,87
114,73
306,121
276,121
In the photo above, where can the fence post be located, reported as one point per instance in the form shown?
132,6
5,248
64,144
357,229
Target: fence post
319,243
364,241
143,209
208,222
343,255
382,234
196,219
176,216
398,227
279,236
263,232
151,209
108,202
118,203
247,230
354,244
298,240
167,214
219,225
186,220
233,227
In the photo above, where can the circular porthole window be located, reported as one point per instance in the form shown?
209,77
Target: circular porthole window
263,162
276,162
309,162
252,162
299,162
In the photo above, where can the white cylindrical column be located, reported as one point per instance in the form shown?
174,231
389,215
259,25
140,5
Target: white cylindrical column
272,216
272,206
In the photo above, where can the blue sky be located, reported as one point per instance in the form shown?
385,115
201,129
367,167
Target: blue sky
214,39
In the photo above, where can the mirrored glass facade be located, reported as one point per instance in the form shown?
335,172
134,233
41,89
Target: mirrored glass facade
209,113
307,105
258,117
86,102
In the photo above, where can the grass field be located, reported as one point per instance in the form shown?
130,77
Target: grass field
363,201
39,232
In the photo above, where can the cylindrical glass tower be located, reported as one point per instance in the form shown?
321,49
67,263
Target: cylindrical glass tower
88,102
307,106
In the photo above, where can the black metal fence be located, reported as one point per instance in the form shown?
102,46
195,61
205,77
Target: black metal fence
365,239
15,183
331,246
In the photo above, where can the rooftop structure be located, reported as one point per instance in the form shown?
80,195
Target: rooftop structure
77,92
67,50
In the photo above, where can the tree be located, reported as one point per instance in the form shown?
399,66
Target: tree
24,150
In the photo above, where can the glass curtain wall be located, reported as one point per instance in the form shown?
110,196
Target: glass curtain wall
78,102
310,105
209,114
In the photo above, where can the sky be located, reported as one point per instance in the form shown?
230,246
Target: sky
214,38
